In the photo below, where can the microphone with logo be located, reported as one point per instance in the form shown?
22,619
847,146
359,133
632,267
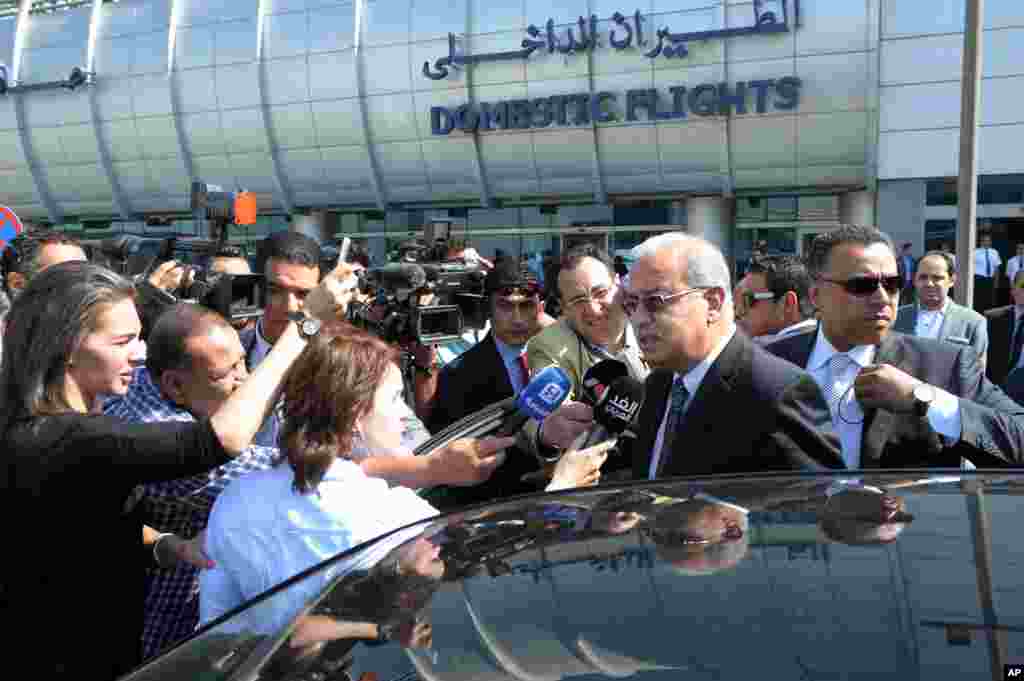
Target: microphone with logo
542,395
597,378
614,412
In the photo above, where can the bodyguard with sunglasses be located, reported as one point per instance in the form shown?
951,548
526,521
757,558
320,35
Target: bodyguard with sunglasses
895,400
716,402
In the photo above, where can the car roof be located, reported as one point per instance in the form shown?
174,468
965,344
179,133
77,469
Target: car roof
608,581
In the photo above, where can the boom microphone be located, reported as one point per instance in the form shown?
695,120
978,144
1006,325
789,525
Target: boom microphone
542,395
597,378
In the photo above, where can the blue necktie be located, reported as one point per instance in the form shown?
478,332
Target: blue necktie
677,403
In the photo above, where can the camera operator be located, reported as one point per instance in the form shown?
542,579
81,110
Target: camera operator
492,370
31,253
230,260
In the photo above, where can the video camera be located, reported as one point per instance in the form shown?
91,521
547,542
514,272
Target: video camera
396,311
237,297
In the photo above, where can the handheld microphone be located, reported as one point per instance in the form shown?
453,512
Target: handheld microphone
398,276
597,378
542,395
614,413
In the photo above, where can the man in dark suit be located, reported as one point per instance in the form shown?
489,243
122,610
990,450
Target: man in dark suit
490,371
716,403
896,400
1006,334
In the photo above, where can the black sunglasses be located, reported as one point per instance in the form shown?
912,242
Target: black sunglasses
867,285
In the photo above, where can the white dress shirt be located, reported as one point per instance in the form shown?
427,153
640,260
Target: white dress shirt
510,355
788,331
981,262
1013,266
261,532
691,379
943,413
929,322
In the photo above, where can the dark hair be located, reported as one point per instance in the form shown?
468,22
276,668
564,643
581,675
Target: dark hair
330,385
22,254
229,252
947,257
166,344
784,273
824,243
47,322
292,247
573,257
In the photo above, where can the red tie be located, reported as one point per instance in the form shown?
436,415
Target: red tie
524,368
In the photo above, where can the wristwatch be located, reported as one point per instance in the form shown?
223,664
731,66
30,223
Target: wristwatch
924,395
308,326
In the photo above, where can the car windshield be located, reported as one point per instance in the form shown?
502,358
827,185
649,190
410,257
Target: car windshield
895,574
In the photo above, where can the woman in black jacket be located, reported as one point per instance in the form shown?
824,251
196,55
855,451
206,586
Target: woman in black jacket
73,572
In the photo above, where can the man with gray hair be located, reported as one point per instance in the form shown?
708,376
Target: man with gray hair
716,402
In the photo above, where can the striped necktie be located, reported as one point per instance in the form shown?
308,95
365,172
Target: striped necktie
833,390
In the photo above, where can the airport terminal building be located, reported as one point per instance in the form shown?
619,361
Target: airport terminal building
528,125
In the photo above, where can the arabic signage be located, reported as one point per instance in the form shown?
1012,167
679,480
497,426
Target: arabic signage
678,101
769,17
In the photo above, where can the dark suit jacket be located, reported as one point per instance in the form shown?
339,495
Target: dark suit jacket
1000,332
474,380
992,425
752,412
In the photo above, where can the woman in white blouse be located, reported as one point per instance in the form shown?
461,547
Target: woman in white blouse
271,525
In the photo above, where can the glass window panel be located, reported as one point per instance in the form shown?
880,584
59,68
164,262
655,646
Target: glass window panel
237,86
286,35
338,122
158,136
150,52
331,76
387,21
392,118
401,163
235,42
1000,189
647,213
941,192
134,16
287,81
331,29
152,96
204,133
293,126
244,130
193,47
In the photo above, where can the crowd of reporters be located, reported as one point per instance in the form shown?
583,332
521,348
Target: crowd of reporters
247,450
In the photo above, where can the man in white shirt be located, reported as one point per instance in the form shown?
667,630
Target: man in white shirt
895,400
1014,264
986,273
934,315
717,402
775,302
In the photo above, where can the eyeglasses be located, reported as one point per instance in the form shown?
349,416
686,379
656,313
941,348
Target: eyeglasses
866,285
600,294
653,303
750,298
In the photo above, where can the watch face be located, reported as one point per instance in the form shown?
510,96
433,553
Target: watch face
310,327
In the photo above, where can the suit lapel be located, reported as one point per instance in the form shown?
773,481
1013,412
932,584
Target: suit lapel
878,423
658,389
706,407
497,366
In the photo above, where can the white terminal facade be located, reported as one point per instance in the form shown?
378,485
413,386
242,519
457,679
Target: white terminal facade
737,121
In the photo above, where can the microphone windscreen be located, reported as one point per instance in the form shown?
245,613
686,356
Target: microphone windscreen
544,393
597,378
620,405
